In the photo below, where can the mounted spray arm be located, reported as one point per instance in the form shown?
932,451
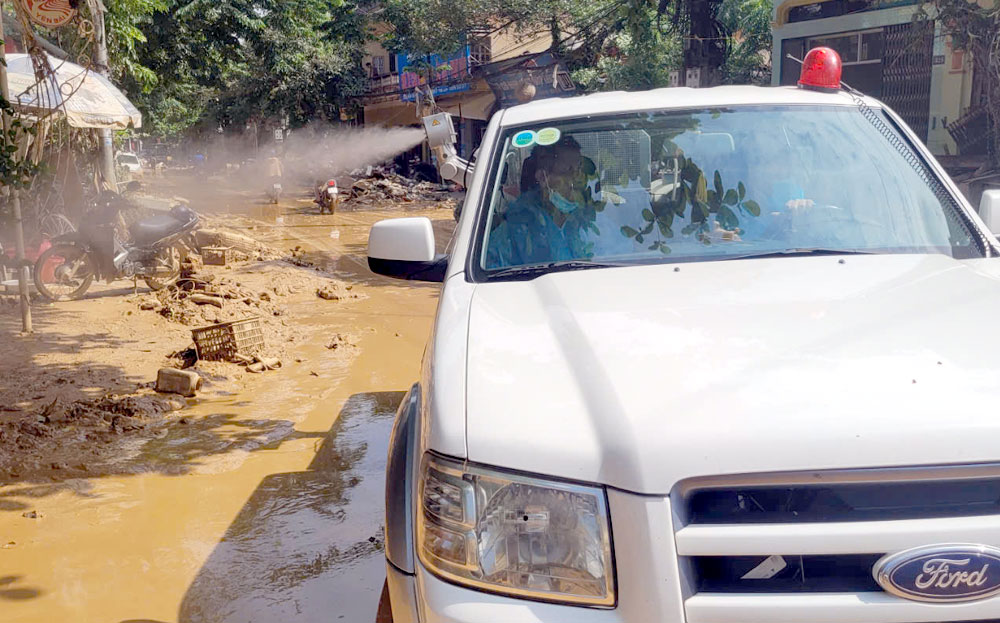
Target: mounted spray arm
441,139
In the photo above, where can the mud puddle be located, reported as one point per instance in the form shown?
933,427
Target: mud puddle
307,544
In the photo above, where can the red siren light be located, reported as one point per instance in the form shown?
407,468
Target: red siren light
821,70
331,182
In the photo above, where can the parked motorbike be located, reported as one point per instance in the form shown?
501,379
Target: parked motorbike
105,248
327,197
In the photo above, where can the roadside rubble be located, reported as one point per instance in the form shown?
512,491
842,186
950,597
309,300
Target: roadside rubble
336,291
201,297
341,341
380,185
81,429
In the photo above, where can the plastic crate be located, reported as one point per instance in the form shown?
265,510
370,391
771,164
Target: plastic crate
225,340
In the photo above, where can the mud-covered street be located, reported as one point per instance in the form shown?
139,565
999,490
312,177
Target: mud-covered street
258,500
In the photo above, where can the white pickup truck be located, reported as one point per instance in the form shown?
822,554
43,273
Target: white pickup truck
706,355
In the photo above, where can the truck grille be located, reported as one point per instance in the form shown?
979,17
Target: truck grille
799,574
846,502
800,547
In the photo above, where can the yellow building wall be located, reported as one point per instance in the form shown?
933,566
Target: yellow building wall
951,96
509,44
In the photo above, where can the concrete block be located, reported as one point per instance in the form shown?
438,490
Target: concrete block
173,381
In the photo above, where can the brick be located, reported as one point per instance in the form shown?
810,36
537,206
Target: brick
173,381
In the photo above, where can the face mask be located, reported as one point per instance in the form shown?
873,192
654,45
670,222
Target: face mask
561,203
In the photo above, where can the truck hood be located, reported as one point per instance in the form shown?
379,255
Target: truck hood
640,377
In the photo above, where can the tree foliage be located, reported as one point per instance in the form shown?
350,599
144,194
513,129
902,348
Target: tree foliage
425,27
222,63
305,64
748,46
16,169
608,44
124,23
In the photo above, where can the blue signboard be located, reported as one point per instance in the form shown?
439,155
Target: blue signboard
449,74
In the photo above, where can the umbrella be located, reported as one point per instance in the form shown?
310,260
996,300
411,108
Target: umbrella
88,99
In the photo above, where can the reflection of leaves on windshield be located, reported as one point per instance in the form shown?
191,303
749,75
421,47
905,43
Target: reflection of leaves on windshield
690,194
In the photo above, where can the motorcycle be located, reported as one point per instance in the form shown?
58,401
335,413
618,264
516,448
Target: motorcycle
105,248
274,192
327,197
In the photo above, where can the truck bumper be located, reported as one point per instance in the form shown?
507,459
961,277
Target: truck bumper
424,598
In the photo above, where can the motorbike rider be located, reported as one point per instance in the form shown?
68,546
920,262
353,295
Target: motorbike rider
274,173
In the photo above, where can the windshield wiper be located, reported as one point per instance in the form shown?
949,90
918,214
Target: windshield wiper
800,253
536,270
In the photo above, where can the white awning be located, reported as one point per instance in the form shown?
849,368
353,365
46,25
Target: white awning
88,98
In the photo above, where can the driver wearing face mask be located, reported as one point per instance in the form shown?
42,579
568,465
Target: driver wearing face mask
546,222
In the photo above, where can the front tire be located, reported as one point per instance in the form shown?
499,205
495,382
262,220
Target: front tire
64,272
169,260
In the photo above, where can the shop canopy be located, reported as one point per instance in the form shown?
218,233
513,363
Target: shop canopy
88,99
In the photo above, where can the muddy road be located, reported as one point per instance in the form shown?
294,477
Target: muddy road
266,505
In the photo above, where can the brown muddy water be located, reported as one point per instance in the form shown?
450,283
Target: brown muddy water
267,507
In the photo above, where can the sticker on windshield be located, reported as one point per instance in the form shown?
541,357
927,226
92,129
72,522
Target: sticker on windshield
548,136
525,139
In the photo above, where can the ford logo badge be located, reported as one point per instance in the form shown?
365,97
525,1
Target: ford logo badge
959,572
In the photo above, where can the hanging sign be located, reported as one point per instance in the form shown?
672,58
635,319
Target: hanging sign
49,13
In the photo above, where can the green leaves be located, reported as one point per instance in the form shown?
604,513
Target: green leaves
705,209
728,219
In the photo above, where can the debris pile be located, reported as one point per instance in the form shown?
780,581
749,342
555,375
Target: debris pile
199,298
196,302
122,413
336,291
239,247
381,185
78,429
110,413
341,342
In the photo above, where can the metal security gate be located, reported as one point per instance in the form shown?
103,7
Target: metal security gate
906,73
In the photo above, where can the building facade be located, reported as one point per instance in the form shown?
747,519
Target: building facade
886,53
466,83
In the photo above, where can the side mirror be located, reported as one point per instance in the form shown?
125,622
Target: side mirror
403,248
989,210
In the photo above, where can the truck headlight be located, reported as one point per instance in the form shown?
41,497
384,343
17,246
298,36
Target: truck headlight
520,535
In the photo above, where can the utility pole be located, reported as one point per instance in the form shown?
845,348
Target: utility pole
106,148
15,194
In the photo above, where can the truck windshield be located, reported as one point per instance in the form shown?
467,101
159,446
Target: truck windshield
712,185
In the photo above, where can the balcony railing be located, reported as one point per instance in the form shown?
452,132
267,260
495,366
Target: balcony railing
382,85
